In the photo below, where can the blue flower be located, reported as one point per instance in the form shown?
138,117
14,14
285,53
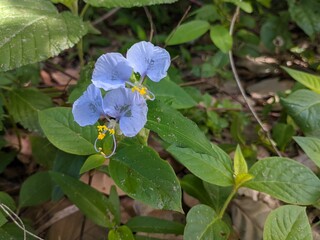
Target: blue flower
128,108
112,70
88,108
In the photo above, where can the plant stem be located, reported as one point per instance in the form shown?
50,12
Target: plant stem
226,203
80,53
84,10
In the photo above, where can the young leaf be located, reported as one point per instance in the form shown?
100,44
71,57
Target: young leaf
286,180
167,90
309,80
221,38
91,202
240,164
304,107
24,105
245,6
35,190
215,170
282,134
121,233
154,225
63,132
92,162
188,32
126,3
143,175
203,223
311,146
33,30
287,222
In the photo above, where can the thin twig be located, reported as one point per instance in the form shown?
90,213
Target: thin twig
105,16
179,23
149,16
238,81
15,218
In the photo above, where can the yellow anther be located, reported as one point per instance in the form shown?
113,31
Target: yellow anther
143,91
102,128
111,131
101,135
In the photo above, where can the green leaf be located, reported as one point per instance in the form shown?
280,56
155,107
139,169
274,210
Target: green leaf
92,162
217,195
221,38
168,91
24,105
33,30
309,80
306,15
43,152
154,225
120,233
187,32
311,146
63,132
194,187
245,6
215,170
115,203
126,3
6,199
287,222
6,159
240,165
68,3
143,175
176,129
203,223
304,107
266,3
286,180
35,190
91,202
282,134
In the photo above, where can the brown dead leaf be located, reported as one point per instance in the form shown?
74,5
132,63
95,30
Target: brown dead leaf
25,149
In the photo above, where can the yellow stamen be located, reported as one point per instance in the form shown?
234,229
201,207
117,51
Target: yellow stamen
101,135
142,90
111,131
102,128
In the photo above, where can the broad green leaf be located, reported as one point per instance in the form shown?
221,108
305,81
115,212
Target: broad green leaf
34,30
286,180
217,195
309,80
311,146
168,91
3,219
43,152
154,225
91,202
266,3
305,14
63,132
11,231
143,175
194,187
203,224
240,164
287,222
92,162
24,105
221,38
215,170
35,190
120,233
6,159
282,134
126,3
304,107
176,129
245,6
115,203
187,32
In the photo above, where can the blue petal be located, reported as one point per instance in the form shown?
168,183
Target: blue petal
111,71
149,60
88,108
128,107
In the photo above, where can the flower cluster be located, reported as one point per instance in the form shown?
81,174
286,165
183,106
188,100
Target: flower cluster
125,100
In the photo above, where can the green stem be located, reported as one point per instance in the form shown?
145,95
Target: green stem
84,10
74,8
80,52
226,203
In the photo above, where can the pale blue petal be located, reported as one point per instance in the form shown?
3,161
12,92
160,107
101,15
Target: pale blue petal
139,56
115,101
132,124
149,60
111,71
88,108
